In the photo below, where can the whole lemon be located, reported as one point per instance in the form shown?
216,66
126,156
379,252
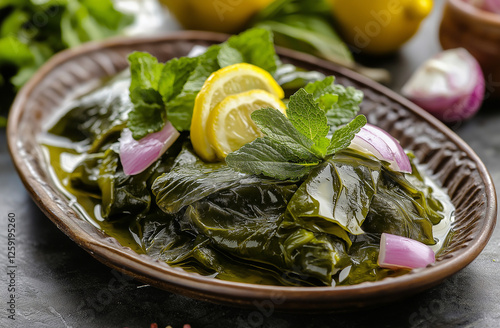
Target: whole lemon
229,16
379,26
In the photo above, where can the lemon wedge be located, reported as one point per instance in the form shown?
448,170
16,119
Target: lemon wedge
225,82
230,125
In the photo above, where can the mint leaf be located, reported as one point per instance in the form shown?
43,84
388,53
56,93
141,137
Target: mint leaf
256,47
278,128
264,156
341,104
343,136
179,102
207,64
180,111
323,92
148,115
346,107
174,76
180,107
309,120
229,56
145,71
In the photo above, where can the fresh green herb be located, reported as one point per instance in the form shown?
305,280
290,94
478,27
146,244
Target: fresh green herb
281,130
266,157
254,46
310,121
147,71
293,145
31,31
340,103
179,80
343,136
148,115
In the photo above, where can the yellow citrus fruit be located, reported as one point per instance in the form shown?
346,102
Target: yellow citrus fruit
225,82
230,125
229,16
379,26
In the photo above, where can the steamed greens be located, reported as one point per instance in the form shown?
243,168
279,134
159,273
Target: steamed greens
295,207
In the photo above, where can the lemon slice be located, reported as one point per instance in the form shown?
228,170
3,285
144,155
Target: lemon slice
227,81
230,126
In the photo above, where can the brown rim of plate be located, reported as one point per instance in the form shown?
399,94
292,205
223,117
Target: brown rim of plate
471,236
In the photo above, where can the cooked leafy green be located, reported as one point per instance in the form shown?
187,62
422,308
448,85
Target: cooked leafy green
291,78
97,118
242,216
190,181
207,218
121,195
244,220
340,190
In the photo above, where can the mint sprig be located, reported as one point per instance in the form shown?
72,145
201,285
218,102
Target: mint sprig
265,156
310,120
177,82
341,104
294,144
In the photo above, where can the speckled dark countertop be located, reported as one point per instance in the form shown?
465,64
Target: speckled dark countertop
60,285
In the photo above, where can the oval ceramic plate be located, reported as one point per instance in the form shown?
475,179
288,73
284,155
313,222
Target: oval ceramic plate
453,163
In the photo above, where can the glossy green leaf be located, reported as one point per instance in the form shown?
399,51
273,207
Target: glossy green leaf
97,119
339,191
191,180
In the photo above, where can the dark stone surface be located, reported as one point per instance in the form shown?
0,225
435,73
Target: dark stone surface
60,285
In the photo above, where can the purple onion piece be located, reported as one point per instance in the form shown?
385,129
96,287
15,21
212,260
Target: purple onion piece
138,155
450,86
374,140
398,252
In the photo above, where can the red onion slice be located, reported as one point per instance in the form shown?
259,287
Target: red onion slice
138,155
492,6
398,252
450,86
488,5
372,139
